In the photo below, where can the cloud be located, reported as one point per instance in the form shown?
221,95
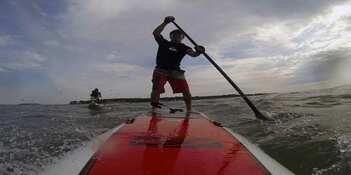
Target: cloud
119,68
24,60
331,65
113,56
261,74
127,25
276,74
113,80
52,43
5,40
82,44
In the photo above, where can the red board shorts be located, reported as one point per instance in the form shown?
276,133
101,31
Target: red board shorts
177,82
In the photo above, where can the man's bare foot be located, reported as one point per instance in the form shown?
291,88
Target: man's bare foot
188,113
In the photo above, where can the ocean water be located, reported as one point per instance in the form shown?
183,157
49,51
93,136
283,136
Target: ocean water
310,134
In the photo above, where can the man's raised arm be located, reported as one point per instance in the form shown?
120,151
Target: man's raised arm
158,30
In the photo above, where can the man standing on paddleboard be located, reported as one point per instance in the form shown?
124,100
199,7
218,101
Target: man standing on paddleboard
169,56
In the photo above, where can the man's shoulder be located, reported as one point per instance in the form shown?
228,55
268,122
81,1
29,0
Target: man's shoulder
160,39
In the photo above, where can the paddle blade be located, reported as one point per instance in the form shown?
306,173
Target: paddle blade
260,116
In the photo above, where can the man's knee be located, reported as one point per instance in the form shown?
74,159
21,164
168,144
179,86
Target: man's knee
186,94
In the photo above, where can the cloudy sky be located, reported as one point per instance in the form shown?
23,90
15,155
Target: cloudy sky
57,51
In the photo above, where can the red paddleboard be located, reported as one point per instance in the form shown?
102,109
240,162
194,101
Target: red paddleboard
172,144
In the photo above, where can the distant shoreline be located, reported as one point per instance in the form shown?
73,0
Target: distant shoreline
136,100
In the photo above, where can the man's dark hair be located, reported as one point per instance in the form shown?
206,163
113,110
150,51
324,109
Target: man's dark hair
176,31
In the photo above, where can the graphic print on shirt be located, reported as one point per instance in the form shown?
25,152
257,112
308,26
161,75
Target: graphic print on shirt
172,49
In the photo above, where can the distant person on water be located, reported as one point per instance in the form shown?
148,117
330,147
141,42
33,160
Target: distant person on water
95,95
169,56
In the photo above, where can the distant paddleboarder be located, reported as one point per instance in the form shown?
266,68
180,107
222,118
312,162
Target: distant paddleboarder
168,59
95,95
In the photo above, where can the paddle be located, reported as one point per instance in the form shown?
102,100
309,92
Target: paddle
258,114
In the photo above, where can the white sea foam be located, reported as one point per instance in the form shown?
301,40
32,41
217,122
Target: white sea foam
72,162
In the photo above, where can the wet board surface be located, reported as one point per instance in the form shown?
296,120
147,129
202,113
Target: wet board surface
160,144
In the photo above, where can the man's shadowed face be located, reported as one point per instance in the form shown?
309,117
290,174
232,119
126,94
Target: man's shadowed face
176,37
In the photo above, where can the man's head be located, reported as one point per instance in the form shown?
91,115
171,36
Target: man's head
176,36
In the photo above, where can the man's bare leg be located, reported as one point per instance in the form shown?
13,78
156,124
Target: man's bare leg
155,98
187,100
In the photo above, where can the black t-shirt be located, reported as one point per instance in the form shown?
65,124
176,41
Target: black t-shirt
169,54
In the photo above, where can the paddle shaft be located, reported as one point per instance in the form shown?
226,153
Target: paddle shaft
258,114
